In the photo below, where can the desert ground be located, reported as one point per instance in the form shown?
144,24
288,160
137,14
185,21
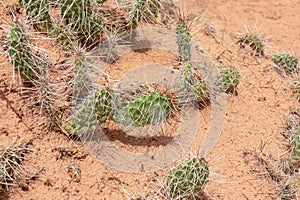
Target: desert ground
244,164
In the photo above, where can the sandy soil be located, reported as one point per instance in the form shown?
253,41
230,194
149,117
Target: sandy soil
255,116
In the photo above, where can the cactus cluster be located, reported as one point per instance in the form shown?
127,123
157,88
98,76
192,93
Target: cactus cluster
20,53
256,43
96,109
230,78
197,89
39,11
187,179
296,144
145,110
287,61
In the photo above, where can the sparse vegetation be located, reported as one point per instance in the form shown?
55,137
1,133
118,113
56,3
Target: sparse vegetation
84,24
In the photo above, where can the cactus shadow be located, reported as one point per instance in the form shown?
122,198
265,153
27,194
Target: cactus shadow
4,195
201,196
121,136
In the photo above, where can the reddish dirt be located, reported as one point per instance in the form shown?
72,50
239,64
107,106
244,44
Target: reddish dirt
255,115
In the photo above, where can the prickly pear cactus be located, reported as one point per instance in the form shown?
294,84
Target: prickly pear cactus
191,87
187,179
19,52
287,61
146,10
183,41
103,105
201,91
145,110
79,16
93,111
75,11
256,43
39,11
296,144
230,78
187,75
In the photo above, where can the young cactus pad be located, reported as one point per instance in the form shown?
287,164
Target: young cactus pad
287,61
296,144
145,110
183,41
230,78
187,179
19,52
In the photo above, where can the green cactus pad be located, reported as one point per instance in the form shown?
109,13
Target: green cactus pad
146,10
19,52
145,110
187,75
183,41
79,16
103,105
